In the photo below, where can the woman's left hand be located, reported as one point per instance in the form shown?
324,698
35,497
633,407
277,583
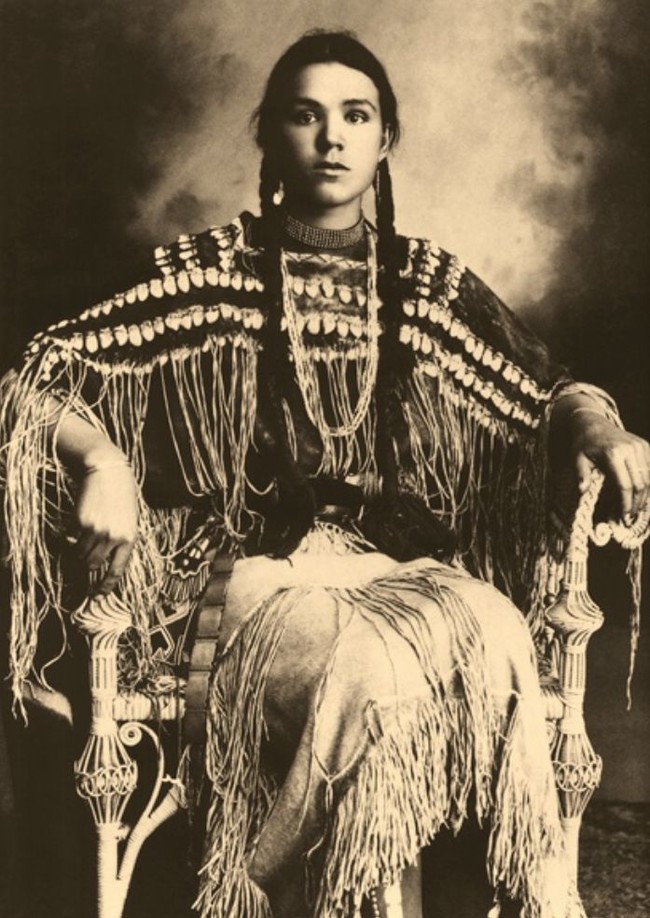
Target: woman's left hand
623,457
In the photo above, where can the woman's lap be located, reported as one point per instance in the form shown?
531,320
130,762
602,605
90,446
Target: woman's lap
372,659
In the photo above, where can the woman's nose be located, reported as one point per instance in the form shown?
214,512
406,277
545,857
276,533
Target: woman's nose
331,135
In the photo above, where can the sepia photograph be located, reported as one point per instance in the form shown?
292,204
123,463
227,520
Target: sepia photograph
324,460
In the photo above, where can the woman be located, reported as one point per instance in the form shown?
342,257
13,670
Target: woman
340,409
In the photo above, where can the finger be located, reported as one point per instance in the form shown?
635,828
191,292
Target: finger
584,468
87,540
625,490
116,569
638,474
98,555
644,465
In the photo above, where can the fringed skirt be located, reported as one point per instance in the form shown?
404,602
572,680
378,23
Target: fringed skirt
358,706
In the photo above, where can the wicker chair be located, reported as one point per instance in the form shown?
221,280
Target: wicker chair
107,774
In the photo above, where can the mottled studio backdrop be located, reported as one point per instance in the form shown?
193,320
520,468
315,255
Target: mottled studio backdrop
525,151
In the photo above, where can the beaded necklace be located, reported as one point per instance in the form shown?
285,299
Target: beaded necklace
350,417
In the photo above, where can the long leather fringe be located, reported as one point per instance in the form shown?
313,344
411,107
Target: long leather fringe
214,398
416,775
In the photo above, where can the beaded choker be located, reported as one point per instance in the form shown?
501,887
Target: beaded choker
317,237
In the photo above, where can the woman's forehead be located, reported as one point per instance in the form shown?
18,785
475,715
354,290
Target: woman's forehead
332,83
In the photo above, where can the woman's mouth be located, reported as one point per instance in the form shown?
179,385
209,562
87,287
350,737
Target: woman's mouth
330,167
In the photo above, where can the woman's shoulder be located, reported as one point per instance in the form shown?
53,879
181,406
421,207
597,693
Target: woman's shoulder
210,247
199,287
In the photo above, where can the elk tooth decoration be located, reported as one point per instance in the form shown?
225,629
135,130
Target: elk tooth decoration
135,335
156,288
314,324
212,276
298,284
356,326
105,337
327,286
147,331
183,281
169,285
197,277
224,279
329,323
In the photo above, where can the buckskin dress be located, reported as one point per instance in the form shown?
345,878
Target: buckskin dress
358,703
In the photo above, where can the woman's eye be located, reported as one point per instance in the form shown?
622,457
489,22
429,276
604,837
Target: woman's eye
306,116
357,117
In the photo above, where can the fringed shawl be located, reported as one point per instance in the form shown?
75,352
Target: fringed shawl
168,370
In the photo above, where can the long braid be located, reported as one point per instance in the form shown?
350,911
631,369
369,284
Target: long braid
295,507
393,357
399,523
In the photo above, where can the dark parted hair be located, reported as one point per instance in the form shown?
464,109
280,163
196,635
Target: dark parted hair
296,502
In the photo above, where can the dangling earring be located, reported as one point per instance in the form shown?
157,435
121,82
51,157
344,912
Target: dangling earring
278,195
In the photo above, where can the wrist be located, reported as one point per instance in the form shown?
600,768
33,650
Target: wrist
102,458
575,411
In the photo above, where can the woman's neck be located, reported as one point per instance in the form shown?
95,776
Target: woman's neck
323,237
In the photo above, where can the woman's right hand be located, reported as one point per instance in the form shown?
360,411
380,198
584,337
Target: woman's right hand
106,514
106,508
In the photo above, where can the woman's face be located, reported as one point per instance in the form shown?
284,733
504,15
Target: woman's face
331,139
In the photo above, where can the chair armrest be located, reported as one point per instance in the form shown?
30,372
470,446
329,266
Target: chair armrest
573,616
